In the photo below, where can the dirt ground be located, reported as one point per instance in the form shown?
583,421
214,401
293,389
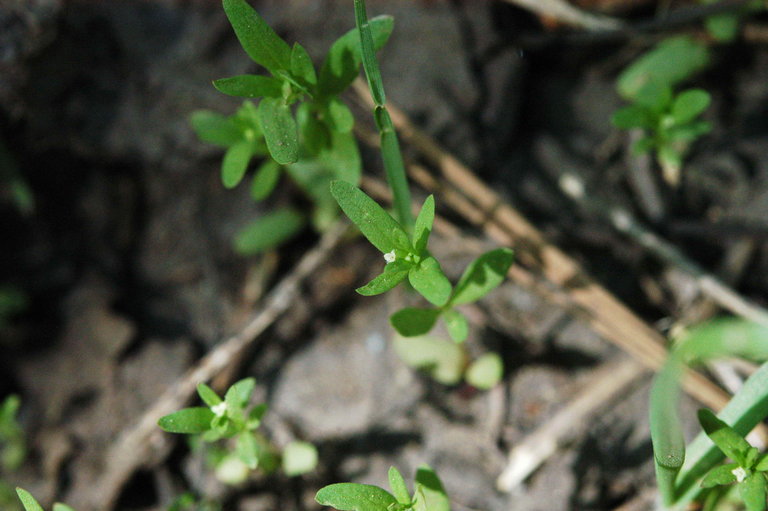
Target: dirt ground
127,265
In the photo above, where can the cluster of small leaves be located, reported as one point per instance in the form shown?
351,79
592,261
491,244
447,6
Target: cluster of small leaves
30,504
313,145
428,495
13,445
229,418
408,257
670,119
748,468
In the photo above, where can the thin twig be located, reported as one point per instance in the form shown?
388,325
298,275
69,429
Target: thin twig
136,444
564,12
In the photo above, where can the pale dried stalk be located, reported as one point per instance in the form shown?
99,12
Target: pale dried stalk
564,12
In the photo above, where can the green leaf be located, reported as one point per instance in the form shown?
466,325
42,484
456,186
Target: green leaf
485,372
689,132
342,64
430,486
721,474
339,116
666,430
269,231
355,497
280,130
668,63
762,463
397,484
28,501
377,225
423,226
429,280
633,116
255,415
753,491
259,41
299,458
343,157
413,321
188,420
482,275
58,506
208,395
654,96
723,27
265,179
441,359
239,393
394,273
725,438
643,145
314,133
301,65
456,324
235,163
250,86
689,104
216,128
247,450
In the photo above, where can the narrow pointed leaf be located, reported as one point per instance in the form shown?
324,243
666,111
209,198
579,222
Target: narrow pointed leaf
412,321
250,86
301,65
188,421
265,179
423,226
762,463
208,395
355,497
239,393
456,324
247,450
725,438
397,484
482,276
259,41
280,130
235,163
753,492
429,280
722,474
393,274
29,502
377,225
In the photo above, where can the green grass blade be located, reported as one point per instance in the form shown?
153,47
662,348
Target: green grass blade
394,167
370,64
666,430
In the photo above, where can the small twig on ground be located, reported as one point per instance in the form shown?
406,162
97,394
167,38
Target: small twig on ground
135,445
603,386
564,12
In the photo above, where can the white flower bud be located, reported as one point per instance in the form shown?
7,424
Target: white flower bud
390,257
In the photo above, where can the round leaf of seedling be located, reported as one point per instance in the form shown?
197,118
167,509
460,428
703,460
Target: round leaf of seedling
412,321
485,372
299,458
456,324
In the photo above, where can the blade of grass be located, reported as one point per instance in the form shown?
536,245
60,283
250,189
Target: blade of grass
390,147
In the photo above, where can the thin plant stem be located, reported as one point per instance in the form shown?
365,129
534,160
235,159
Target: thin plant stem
390,147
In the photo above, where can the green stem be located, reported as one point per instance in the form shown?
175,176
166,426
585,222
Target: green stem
390,147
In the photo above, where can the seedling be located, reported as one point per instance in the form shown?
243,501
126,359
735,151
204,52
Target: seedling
748,469
670,119
428,495
229,418
313,145
30,504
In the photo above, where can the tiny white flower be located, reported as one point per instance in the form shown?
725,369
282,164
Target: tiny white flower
390,257
220,409
740,473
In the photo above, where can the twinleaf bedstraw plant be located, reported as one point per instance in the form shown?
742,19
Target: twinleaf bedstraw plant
300,125
682,471
228,419
428,495
669,119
